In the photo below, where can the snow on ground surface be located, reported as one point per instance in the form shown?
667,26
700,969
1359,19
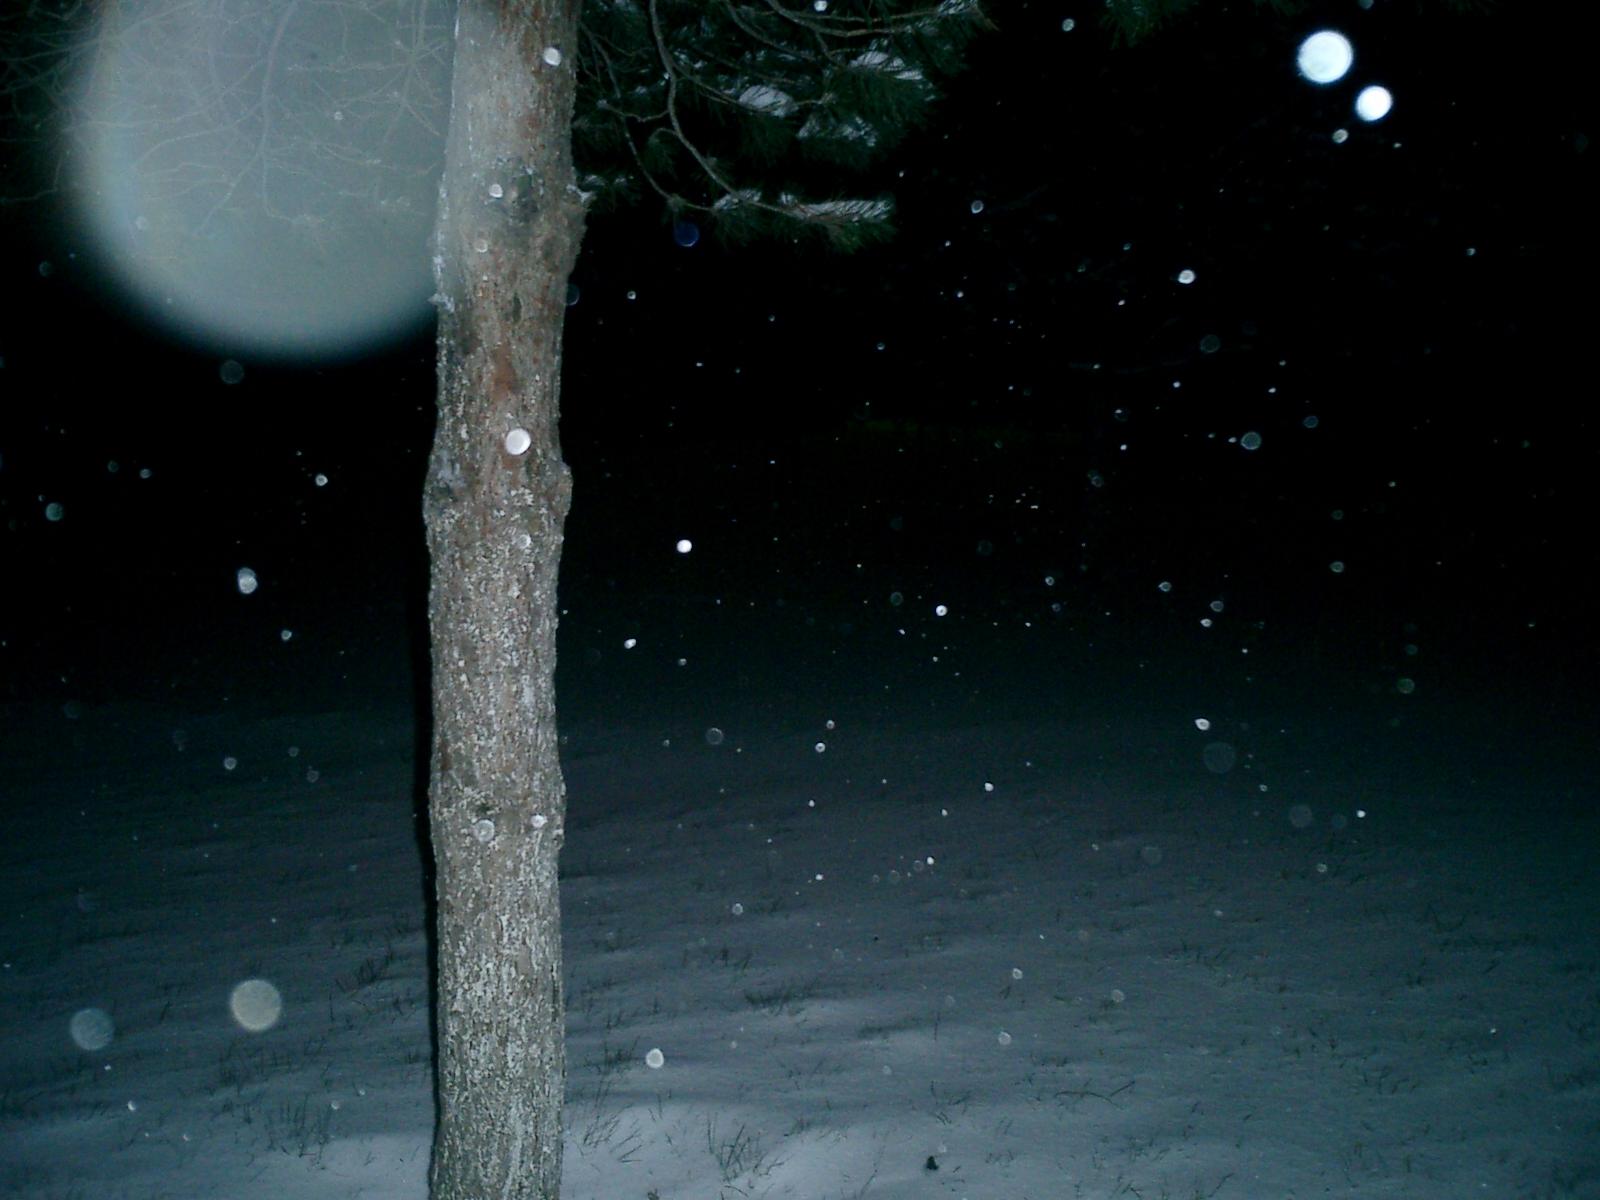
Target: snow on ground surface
1013,934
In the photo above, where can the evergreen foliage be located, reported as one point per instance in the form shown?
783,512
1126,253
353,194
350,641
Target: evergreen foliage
753,118
746,114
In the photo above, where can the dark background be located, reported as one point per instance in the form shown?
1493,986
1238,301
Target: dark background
1016,450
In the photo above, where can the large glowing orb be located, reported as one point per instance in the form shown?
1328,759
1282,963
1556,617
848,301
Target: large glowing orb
261,175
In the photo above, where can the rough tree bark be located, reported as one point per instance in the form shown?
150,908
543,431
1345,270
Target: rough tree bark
510,220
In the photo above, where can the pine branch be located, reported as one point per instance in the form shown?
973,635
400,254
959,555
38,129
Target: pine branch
733,112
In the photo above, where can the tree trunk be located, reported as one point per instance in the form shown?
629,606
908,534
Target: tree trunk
497,493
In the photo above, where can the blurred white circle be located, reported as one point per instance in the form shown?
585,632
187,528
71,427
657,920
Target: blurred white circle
1325,56
256,1005
244,186
1373,103
91,1028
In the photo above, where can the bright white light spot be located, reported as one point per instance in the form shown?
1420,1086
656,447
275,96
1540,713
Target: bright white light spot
483,830
1186,276
256,1005
518,441
1016,972
285,634
540,820
1325,56
230,763
1068,25
552,56
320,479
655,1060
1373,103
629,643
1004,1039
53,511
820,747
1164,586
977,207
940,610
496,190
247,581
91,1028
685,545
1202,723
1251,441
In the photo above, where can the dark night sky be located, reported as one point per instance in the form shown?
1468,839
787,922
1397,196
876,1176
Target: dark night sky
742,396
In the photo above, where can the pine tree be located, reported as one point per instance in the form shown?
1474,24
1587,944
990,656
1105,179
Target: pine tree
748,118
736,115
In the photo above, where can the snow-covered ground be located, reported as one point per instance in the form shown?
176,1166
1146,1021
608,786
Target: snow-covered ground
1000,926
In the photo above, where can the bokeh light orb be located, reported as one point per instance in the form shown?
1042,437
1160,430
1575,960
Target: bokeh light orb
91,1028
262,177
256,1005
1325,57
1374,103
